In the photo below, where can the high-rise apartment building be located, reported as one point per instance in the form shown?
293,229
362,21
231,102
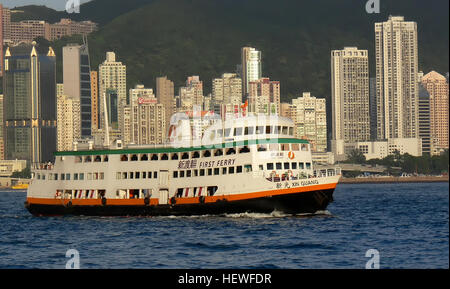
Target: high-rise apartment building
264,96
350,94
310,119
77,83
227,89
112,76
165,93
68,120
424,120
29,84
397,89
251,66
437,87
192,94
147,117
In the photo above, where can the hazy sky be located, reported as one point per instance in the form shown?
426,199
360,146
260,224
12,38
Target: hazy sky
55,4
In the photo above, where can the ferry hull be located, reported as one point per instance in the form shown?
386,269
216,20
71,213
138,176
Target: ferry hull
293,203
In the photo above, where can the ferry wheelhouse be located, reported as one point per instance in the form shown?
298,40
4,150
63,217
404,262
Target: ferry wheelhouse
248,166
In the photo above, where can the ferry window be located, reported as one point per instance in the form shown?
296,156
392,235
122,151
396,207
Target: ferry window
219,152
56,177
219,133
224,171
248,168
81,176
68,177
155,175
63,177
207,153
144,175
270,166
202,172
188,173
295,147
164,157
185,156
227,132
284,147
134,158
304,147
124,175
195,173
87,159
106,159
137,175
149,175
277,129
144,157
261,167
308,166
284,130
250,130
174,156
291,131
259,130
131,175
262,148
231,151
38,176
216,171
286,166
238,131
124,158
154,157
181,174
75,177
195,155
239,169
209,172
96,176
231,170
43,176
102,176
274,147
244,150
118,175
301,166
268,129
294,166
278,166
78,159
97,159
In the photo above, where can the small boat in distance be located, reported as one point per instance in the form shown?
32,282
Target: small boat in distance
20,187
248,166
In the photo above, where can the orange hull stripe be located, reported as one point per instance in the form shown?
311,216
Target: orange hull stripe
190,200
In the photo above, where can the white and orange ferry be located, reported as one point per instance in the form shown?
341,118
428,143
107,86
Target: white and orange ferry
248,167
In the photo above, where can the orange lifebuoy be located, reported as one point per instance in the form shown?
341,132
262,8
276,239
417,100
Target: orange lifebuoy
291,155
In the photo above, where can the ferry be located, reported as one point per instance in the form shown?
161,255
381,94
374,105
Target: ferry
247,166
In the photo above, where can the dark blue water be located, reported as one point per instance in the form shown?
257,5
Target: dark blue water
407,223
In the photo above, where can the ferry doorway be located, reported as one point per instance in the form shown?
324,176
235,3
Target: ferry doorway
163,196
164,179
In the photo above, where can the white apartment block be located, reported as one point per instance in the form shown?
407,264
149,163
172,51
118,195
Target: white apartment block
310,119
227,89
68,120
350,94
112,76
397,89
264,96
251,67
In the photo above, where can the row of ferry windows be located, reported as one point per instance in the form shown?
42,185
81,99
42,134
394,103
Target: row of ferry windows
251,130
212,171
195,154
286,166
216,152
75,176
136,175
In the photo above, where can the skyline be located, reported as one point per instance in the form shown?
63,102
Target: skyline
58,5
